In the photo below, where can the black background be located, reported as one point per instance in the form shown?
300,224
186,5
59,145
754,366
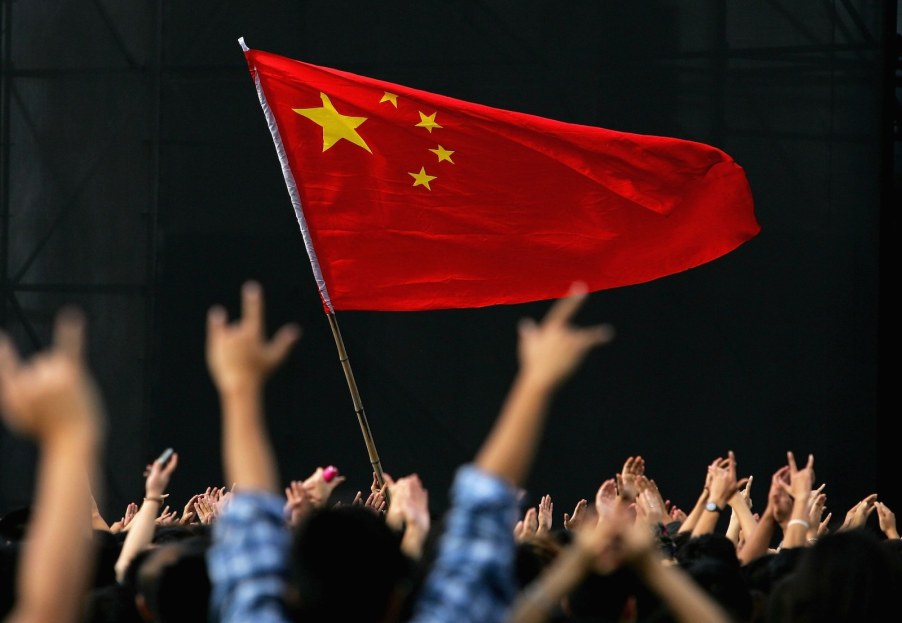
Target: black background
140,181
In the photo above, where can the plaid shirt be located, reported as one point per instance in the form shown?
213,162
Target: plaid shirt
472,578
248,560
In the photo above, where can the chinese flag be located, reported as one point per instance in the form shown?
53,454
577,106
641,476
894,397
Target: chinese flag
409,200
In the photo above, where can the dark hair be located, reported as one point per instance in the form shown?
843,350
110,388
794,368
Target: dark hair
347,564
602,598
532,556
844,576
711,560
111,604
106,549
174,583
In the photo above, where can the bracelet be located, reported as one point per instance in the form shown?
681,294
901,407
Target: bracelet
158,500
798,522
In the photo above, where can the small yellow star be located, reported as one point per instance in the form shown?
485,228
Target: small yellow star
336,126
422,178
443,154
390,97
428,122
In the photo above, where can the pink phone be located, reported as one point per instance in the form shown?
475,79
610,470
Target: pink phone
329,473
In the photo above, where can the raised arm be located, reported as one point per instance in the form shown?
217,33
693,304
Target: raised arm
52,399
758,542
722,486
887,520
615,540
409,513
800,482
549,352
472,577
251,529
143,526
240,359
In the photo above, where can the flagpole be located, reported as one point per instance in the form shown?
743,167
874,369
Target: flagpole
358,406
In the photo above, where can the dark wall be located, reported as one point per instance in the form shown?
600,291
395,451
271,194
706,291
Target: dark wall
774,347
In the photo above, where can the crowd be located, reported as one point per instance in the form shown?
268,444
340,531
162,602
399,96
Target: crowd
261,550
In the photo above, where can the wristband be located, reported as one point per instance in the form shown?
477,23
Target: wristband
798,522
158,500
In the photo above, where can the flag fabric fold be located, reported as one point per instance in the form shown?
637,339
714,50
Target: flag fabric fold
409,200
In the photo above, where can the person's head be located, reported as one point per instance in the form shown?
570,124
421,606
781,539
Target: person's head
107,548
707,546
111,604
348,566
711,561
844,576
533,555
763,572
173,584
608,598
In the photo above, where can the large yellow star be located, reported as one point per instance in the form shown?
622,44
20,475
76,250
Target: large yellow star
336,126
428,122
422,178
443,154
390,97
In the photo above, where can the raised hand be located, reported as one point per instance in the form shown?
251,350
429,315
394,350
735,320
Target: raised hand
188,513
887,520
858,515
130,511
51,398
526,528
53,391
375,501
318,489
297,502
650,508
723,482
817,501
205,508
158,478
549,352
633,468
606,497
409,511
238,355
677,514
167,517
545,515
745,493
801,480
574,521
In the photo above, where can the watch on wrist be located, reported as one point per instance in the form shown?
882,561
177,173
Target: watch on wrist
711,506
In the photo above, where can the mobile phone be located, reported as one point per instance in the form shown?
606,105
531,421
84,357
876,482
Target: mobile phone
164,458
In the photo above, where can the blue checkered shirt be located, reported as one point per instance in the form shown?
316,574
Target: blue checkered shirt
472,578
248,560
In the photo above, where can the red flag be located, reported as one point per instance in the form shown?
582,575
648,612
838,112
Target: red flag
409,200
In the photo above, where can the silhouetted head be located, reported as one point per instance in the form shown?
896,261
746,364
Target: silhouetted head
173,584
348,566
844,577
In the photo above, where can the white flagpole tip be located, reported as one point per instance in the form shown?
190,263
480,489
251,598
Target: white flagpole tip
244,48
